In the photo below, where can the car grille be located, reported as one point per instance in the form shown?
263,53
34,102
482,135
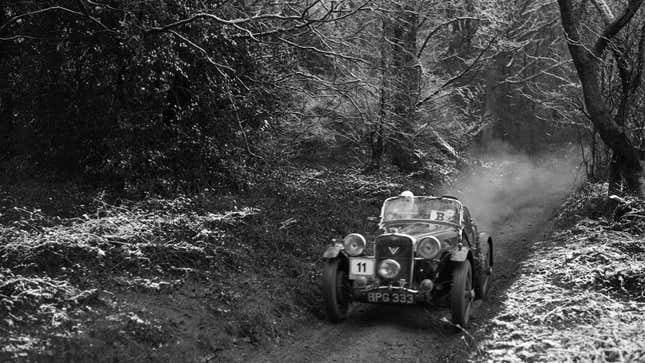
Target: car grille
398,248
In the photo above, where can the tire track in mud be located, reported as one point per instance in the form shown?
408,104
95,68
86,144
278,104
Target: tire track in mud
383,333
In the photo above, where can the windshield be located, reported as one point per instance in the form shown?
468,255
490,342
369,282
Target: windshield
420,208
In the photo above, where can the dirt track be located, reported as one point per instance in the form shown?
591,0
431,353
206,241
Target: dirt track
379,333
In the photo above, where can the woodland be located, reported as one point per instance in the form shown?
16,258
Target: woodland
149,149
175,95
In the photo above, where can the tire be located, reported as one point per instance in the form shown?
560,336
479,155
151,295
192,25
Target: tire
484,275
335,289
461,293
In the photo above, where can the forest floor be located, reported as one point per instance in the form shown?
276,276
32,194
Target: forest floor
213,277
87,278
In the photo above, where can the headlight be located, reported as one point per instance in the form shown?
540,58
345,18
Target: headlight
354,244
388,269
428,247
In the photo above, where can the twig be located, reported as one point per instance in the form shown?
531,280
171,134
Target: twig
321,51
204,52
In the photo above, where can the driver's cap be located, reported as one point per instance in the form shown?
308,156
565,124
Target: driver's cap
407,194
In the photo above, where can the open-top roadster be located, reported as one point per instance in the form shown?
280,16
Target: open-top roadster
428,251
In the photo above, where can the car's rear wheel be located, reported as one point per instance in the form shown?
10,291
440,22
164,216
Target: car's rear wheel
461,293
336,290
485,274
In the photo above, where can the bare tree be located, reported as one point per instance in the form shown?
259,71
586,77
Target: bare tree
588,52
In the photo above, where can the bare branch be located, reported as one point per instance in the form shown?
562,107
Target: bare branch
237,23
615,26
63,9
438,27
604,9
103,5
216,18
536,75
316,78
455,78
308,23
204,52
17,37
321,51
95,19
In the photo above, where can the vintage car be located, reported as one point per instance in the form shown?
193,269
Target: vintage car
428,251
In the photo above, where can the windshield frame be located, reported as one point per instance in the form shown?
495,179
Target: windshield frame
458,225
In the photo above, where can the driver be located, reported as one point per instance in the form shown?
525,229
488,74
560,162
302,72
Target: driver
407,195
404,207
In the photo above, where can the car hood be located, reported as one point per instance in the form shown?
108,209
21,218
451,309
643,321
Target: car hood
441,235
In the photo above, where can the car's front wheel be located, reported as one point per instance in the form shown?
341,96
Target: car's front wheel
461,293
336,290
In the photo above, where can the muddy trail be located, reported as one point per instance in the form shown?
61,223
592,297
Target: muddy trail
381,333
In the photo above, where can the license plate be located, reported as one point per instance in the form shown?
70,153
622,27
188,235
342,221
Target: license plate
390,297
359,266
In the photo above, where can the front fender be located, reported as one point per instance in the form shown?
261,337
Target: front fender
459,254
486,239
332,252
483,237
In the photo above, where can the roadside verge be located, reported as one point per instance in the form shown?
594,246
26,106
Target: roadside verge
580,294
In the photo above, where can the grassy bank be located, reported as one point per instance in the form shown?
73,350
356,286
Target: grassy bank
580,295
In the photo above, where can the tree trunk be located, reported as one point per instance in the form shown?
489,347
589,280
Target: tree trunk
377,135
628,157
588,60
404,79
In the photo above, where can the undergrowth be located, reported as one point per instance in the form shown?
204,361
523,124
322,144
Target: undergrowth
88,276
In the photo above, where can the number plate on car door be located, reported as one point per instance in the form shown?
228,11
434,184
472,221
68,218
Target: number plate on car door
360,267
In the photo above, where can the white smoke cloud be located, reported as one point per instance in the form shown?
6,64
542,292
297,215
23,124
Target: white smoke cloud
508,181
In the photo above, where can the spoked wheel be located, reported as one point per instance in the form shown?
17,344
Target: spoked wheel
336,291
461,293
484,276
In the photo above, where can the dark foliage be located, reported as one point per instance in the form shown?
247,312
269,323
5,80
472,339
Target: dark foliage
102,95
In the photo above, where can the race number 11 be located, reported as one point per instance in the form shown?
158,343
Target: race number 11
359,266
